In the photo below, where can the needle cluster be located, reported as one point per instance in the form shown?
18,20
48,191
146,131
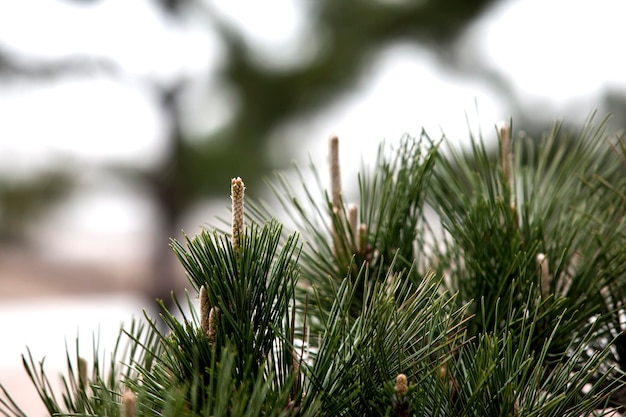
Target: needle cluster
465,283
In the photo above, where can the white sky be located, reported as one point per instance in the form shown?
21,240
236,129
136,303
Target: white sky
558,50
130,32
66,118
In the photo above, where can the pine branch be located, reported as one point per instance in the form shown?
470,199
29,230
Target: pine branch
523,316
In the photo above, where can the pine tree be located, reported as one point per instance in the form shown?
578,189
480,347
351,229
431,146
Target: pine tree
509,303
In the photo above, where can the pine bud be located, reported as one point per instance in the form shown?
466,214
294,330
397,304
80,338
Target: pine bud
542,262
505,150
335,172
82,372
362,239
213,321
401,385
401,405
205,310
129,403
443,372
237,193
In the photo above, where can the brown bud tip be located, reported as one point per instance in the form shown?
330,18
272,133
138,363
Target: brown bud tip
516,408
82,372
213,322
401,385
237,189
129,403
362,238
542,262
335,171
503,130
443,372
205,309
505,149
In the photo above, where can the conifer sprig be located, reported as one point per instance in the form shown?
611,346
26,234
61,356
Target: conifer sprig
400,329
384,229
487,246
522,316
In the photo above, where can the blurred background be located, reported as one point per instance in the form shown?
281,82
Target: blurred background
122,122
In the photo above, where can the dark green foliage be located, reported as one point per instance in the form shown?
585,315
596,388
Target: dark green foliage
253,288
392,200
22,201
494,230
392,195
381,313
400,329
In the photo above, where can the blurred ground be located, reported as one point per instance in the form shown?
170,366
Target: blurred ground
45,304
23,275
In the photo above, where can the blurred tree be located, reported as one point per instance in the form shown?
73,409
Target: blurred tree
23,200
350,32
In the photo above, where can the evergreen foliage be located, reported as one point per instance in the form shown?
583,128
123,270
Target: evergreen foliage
513,308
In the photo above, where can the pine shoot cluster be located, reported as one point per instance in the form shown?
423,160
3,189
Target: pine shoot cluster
462,283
